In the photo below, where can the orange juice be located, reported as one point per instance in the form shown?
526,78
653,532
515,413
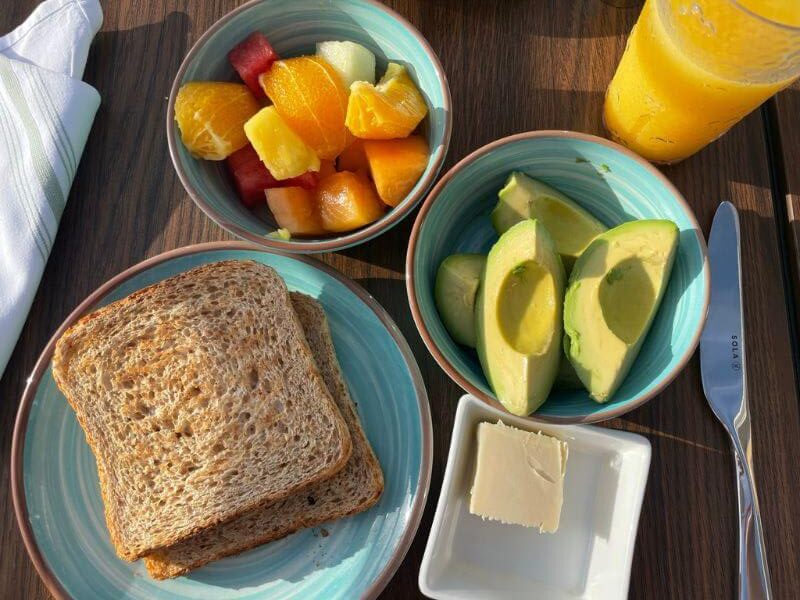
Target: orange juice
692,69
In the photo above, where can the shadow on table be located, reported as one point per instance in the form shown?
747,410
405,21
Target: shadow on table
786,106
586,19
133,70
125,193
388,250
124,179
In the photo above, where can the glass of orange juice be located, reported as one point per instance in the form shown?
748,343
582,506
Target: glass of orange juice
694,68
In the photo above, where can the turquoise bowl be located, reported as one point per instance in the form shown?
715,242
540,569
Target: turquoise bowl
613,184
57,495
293,28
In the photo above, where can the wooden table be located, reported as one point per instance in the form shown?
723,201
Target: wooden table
512,66
783,125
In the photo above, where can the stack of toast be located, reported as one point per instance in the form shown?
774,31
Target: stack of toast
218,416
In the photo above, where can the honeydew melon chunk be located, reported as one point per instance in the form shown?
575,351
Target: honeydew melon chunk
352,61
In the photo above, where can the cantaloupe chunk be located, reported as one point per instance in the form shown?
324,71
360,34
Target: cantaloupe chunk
396,165
347,201
296,210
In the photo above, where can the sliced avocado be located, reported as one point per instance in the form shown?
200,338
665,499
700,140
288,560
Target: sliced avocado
456,286
570,226
613,295
518,316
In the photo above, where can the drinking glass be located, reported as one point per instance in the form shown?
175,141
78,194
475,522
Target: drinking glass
693,68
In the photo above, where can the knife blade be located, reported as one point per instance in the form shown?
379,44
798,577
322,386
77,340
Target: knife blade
723,372
722,358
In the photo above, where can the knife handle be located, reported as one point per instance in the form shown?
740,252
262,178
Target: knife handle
753,571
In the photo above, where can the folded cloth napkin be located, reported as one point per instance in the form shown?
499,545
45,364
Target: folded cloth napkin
46,112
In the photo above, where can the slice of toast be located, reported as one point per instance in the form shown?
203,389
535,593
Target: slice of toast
201,401
354,489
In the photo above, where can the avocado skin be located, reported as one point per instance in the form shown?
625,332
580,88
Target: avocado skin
598,351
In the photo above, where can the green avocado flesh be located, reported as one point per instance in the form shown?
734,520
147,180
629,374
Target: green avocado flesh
570,226
614,293
518,316
455,290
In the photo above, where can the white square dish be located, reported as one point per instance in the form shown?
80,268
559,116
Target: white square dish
590,555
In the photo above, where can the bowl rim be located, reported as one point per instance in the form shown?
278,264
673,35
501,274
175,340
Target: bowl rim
389,220
17,474
447,366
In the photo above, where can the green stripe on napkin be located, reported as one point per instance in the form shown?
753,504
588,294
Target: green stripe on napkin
41,165
23,194
57,130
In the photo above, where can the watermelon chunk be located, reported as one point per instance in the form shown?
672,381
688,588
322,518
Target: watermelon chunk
251,177
252,57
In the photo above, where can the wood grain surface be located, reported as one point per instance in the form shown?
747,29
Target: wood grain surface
512,66
784,127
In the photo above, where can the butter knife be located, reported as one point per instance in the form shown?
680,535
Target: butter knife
722,365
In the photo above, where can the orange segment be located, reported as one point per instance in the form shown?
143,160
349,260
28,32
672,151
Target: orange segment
296,210
391,109
347,201
396,165
353,158
310,96
278,146
211,117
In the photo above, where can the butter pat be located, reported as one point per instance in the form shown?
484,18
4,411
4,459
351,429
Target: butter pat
519,477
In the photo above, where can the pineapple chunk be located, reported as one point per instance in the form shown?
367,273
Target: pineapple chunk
278,147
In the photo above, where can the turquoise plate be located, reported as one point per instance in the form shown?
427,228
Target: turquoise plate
613,184
57,496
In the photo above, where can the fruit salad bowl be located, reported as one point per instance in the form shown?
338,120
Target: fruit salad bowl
615,186
293,29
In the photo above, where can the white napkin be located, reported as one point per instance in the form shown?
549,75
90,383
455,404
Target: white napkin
46,112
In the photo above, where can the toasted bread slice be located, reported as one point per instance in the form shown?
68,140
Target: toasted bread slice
201,401
354,489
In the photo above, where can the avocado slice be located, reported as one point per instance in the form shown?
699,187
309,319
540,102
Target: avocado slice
570,226
613,295
518,316
455,290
